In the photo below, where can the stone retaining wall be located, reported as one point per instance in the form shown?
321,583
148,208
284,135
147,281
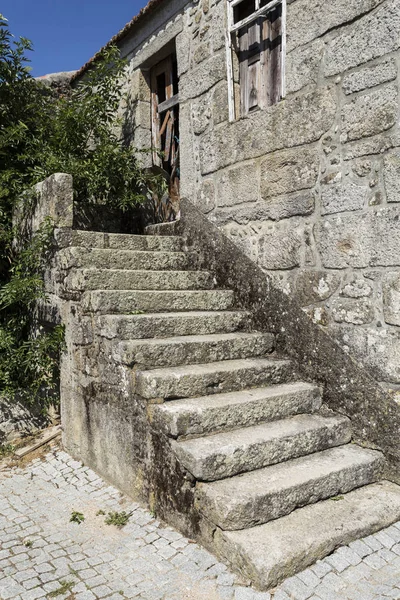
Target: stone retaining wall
17,419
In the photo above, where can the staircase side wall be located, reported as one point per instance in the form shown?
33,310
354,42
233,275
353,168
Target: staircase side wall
104,423
109,427
102,426
348,388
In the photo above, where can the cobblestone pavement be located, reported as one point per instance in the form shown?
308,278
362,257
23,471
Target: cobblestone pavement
45,555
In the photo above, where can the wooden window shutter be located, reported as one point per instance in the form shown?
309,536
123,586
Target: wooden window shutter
271,69
260,61
249,66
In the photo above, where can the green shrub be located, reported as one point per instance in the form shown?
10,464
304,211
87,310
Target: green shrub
29,356
84,140
41,134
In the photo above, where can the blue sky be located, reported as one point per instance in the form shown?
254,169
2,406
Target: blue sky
66,33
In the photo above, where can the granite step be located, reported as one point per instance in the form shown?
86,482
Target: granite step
193,349
124,279
218,412
119,241
229,453
129,301
212,378
272,492
269,553
163,229
112,258
162,325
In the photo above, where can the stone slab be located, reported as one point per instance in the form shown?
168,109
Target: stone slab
370,76
124,301
124,279
269,553
193,349
160,325
266,494
204,76
198,416
303,65
212,378
120,241
391,174
289,171
372,36
344,196
230,453
369,114
55,200
112,258
391,298
310,19
275,208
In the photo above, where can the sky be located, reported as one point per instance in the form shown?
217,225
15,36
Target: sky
66,33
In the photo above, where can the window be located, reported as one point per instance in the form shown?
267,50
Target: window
256,32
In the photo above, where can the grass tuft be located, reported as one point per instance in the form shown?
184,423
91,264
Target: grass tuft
119,519
65,586
77,517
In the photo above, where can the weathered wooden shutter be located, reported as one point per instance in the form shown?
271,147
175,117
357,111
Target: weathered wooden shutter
249,69
260,62
271,58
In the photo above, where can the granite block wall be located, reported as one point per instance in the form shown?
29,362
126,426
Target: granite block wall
309,188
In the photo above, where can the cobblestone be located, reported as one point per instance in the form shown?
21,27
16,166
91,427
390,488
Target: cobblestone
45,555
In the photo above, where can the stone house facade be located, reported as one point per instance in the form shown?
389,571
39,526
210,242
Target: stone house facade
306,179
236,367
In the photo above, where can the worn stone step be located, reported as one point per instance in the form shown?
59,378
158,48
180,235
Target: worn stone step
230,453
162,325
198,416
193,349
123,279
125,301
269,493
212,378
111,258
270,553
170,228
119,241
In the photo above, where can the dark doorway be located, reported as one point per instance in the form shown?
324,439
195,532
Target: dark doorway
165,122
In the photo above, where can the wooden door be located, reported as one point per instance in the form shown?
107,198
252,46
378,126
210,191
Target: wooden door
165,113
165,132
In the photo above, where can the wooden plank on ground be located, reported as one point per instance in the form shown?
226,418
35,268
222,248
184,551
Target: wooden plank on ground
46,436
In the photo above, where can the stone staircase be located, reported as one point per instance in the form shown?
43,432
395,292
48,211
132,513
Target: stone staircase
277,482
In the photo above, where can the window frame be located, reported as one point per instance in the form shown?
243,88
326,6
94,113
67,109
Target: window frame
233,28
